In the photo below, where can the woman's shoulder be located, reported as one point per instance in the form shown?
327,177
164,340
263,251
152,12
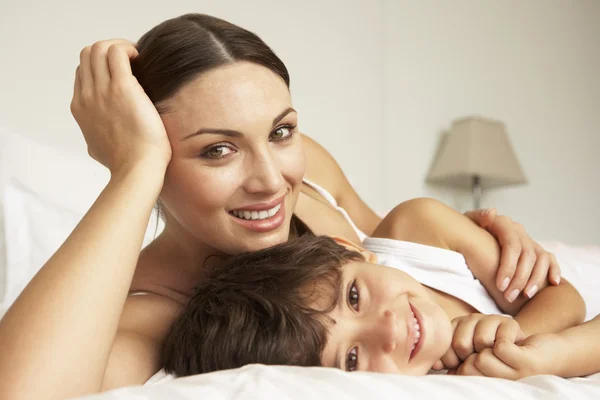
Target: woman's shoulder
150,314
135,354
321,167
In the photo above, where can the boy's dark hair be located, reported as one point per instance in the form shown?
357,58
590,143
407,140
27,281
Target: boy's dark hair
256,308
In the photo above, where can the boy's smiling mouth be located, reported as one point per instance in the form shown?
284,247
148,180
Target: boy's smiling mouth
416,331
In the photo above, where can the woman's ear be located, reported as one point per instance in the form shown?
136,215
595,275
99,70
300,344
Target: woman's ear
368,255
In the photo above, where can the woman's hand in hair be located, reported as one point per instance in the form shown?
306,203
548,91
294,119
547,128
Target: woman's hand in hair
121,126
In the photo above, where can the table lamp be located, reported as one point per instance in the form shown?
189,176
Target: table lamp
476,154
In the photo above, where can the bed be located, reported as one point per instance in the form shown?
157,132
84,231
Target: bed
44,192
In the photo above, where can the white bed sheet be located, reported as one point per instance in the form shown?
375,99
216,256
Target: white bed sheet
280,382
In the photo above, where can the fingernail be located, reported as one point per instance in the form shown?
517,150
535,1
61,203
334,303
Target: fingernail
504,284
557,279
487,211
513,295
531,291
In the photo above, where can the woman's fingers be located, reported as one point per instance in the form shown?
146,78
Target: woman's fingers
504,230
119,60
77,84
527,261
538,275
85,72
100,59
99,64
554,273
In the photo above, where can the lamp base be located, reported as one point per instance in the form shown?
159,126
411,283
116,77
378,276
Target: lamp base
476,192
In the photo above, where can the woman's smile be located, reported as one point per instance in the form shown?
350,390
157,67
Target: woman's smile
261,217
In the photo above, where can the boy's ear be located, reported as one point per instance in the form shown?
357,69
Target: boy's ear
368,255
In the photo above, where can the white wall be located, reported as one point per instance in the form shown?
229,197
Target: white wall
375,83
534,65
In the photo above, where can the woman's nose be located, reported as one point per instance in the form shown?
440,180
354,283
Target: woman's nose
264,175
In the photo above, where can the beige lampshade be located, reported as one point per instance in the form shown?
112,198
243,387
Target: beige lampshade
476,146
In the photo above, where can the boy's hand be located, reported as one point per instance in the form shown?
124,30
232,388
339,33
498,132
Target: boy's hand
524,264
476,332
533,356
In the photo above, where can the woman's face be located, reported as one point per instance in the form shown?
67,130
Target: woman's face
238,159
385,321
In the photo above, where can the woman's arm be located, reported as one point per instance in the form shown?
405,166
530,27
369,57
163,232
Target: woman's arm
523,263
336,183
65,321
56,338
430,222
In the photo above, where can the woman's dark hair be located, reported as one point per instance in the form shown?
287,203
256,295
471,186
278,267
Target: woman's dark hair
260,307
178,50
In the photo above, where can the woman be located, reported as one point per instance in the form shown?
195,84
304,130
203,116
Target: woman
226,163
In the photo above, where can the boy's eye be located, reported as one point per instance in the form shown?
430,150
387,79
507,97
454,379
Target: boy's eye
353,295
352,360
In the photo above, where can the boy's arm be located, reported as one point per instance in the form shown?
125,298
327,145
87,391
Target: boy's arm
430,222
580,350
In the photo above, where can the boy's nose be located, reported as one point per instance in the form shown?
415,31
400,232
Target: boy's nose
387,331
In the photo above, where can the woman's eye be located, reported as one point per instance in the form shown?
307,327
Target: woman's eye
282,133
353,295
352,360
217,152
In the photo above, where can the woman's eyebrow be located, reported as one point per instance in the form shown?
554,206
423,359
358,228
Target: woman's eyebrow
230,132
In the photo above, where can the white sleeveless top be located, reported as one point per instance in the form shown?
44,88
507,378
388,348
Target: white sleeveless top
440,269
327,196
447,271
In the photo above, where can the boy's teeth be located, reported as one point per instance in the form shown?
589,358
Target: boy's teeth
418,333
256,215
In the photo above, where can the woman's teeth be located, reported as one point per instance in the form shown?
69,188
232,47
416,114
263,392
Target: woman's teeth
417,333
252,215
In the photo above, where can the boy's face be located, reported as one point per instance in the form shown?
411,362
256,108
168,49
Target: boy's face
385,321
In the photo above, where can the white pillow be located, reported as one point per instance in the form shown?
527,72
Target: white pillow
44,192
34,230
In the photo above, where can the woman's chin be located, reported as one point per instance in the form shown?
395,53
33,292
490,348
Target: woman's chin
255,242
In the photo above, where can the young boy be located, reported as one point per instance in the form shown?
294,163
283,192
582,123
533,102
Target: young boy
321,301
